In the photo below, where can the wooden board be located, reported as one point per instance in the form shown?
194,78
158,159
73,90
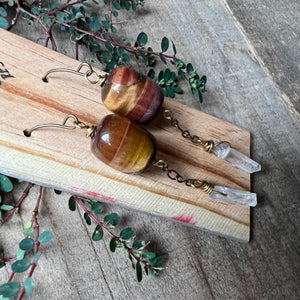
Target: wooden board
63,160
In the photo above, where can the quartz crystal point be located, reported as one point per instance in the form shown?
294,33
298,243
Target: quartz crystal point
236,158
230,195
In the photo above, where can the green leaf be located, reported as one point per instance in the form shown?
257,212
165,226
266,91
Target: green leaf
112,219
53,5
94,23
20,254
60,16
106,24
27,225
37,257
57,192
20,266
151,74
113,244
72,204
142,38
6,207
167,74
156,261
11,3
164,44
96,207
2,264
115,13
29,285
125,57
45,237
177,90
5,183
170,91
139,273
87,4
181,74
97,234
116,5
137,245
79,15
126,233
28,231
9,289
26,244
47,20
174,48
189,68
162,58
87,218
3,12
35,10
149,255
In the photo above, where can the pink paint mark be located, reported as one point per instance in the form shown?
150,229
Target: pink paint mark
94,194
185,219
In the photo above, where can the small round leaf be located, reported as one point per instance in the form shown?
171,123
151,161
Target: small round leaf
5,183
26,244
98,234
112,219
9,289
29,285
164,44
20,266
45,237
142,38
126,233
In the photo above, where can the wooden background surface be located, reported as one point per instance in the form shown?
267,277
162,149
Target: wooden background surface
249,53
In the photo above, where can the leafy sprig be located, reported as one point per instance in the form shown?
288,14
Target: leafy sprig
97,32
125,241
29,245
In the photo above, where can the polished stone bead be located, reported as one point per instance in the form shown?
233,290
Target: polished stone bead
231,195
122,145
132,95
236,158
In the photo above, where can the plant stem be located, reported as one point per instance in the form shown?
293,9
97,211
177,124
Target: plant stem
23,197
36,228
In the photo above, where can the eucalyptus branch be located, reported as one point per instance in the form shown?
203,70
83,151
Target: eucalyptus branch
125,241
36,227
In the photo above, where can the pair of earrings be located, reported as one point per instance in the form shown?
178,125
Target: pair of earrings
125,146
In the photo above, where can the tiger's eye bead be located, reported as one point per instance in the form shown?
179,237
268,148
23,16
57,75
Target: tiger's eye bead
122,145
132,95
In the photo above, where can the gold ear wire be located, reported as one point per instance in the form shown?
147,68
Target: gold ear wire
76,124
100,79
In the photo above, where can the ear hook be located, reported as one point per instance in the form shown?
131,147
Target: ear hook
100,79
76,122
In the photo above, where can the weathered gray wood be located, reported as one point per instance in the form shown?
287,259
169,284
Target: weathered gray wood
200,266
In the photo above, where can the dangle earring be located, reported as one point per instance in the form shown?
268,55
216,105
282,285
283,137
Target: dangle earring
136,97
129,148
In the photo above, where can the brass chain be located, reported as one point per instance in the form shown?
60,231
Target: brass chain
208,146
174,175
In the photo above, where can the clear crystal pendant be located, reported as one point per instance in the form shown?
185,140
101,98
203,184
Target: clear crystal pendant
236,158
236,196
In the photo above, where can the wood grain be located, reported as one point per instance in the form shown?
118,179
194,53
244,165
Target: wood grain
62,159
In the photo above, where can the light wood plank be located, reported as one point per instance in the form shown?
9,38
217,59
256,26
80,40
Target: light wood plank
62,159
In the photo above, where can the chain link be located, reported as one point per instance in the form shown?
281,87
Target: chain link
174,175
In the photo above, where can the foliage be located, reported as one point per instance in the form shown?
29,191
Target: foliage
96,31
28,253
125,241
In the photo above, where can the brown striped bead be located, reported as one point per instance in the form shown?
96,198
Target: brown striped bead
132,95
122,145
